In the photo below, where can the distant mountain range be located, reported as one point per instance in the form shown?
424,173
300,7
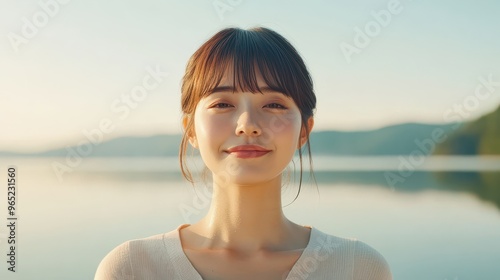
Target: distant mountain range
399,139
481,136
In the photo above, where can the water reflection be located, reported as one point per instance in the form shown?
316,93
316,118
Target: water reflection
484,185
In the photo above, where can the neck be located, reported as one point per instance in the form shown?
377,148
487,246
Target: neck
247,218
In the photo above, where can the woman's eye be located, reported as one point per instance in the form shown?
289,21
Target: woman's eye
221,105
276,106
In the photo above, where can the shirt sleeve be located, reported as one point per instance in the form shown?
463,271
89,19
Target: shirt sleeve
369,264
116,264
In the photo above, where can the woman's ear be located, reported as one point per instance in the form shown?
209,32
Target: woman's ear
190,133
305,135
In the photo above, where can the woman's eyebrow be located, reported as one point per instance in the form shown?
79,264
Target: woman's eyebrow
232,89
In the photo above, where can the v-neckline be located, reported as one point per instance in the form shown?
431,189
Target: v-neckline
184,264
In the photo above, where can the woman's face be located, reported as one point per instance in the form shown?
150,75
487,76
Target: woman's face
224,121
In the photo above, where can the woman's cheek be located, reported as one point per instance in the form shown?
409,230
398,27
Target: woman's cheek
216,125
210,129
291,131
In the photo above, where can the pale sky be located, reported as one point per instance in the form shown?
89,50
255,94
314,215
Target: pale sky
65,66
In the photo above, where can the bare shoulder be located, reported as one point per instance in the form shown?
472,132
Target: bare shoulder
116,264
369,264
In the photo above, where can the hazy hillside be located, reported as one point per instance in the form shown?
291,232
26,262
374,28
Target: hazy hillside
158,145
391,140
481,136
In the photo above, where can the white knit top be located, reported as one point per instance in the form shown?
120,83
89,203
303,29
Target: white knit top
162,257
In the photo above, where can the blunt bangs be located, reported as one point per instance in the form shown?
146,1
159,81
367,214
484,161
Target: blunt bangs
248,52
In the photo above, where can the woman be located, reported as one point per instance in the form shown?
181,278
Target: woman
248,103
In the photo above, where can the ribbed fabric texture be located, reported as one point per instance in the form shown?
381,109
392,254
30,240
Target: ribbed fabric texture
325,257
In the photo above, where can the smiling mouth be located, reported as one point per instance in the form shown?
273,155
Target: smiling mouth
248,153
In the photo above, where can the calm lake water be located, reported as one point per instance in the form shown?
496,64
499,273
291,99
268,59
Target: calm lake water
432,219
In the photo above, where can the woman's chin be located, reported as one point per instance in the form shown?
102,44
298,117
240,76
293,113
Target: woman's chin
244,179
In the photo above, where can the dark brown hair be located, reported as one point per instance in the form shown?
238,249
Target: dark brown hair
248,52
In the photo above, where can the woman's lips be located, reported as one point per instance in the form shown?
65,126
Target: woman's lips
248,153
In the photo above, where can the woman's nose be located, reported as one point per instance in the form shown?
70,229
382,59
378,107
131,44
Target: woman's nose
247,124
